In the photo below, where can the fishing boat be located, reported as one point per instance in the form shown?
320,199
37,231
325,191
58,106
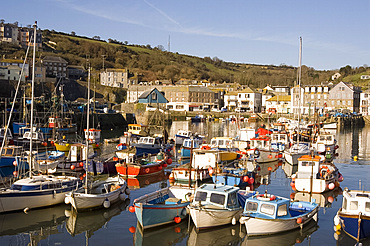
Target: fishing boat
215,205
206,157
297,150
266,214
188,144
98,194
142,167
13,161
223,143
150,145
161,207
325,142
181,135
181,174
314,175
261,151
138,130
354,215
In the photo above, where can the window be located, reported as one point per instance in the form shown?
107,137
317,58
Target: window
232,200
217,198
252,206
200,196
353,205
282,210
367,206
268,209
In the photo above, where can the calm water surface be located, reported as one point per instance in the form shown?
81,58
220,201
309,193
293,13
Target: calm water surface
59,226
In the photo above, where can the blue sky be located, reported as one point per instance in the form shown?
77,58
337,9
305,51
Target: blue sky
334,33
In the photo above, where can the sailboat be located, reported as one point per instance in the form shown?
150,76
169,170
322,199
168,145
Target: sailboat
101,193
298,149
35,191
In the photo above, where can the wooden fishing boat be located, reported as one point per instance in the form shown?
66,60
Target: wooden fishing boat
354,215
266,214
161,207
215,205
315,176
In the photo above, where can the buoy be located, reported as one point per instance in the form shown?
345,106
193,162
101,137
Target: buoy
147,170
122,196
106,203
299,220
15,173
169,161
246,179
132,229
233,221
15,163
66,200
269,169
330,199
160,167
355,158
331,186
171,177
338,227
251,180
177,219
73,167
81,164
270,156
292,196
164,164
280,155
131,209
115,158
210,170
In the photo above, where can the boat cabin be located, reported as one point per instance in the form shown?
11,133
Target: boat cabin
222,142
138,129
267,206
279,141
9,135
93,136
219,196
12,150
78,152
308,165
183,133
260,142
196,143
150,140
36,136
355,202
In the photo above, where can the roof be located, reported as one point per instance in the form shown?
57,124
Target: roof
281,98
54,59
218,188
246,90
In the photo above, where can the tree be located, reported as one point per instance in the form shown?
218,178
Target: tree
96,37
73,33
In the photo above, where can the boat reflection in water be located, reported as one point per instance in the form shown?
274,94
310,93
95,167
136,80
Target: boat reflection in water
91,221
323,199
225,235
140,182
343,239
285,238
264,171
164,235
38,223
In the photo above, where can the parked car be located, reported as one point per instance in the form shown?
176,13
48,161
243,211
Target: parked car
223,109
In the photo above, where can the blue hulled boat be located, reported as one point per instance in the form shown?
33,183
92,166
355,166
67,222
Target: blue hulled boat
354,215
161,207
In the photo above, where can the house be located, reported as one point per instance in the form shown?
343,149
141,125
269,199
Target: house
115,77
9,33
315,97
279,104
365,76
55,66
152,97
249,100
365,102
11,73
26,37
231,100
345,96
336,76
16,62
76,72
40,72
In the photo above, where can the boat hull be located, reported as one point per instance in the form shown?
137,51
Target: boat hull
261,226
350,224
206,218
133,170
82,201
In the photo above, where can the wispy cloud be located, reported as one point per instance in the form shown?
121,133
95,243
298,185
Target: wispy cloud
163,14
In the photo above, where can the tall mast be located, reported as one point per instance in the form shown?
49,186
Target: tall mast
299,86
32,94
87,127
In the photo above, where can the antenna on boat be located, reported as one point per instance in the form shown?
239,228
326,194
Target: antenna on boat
32,95
87,126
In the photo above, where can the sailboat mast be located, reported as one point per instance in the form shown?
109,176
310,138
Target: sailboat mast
32,94
87,126
299,87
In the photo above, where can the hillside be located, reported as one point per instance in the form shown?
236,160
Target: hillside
157,64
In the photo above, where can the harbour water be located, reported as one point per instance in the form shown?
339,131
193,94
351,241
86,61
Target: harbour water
58,225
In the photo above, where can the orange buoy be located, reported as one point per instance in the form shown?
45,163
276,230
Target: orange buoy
131,209
132,229
299,220
177,219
